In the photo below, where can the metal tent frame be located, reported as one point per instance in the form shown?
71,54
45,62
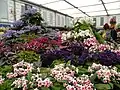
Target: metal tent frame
104,4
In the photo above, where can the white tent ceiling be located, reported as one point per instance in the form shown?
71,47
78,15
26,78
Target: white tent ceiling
90,7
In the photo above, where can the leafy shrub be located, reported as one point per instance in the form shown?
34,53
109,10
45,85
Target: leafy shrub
6,85
5,69
28,56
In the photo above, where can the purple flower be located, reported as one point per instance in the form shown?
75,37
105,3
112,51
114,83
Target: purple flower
108,58
30,12
18,23
34,28
9,33
13,33
20,32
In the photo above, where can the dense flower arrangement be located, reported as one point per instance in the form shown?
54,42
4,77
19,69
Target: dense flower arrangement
27,41
42,43
90,42
73,83
76,35
36,82
104,73
20,69
93,45
20,83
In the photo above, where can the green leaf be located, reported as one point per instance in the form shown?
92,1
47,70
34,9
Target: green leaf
44,88
57,88
92,78
56,62
82,70
6,85
104,86
98,37
5,69
29,75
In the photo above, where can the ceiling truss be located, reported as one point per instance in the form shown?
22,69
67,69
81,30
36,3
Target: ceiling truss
86,13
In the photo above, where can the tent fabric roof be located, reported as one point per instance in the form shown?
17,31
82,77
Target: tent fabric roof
81,8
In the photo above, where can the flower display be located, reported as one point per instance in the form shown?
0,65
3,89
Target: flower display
88,20
73,83
41,43
20,83
67,35
61,73
32,28
13,33
20,69
90,42
49,56
108,58
40,82
30,12
104,73
83,34
72,34
18,23
100,48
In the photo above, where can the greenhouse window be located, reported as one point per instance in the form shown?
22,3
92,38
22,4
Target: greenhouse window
22,9
63,21
101,21
3,11
58,19
45,15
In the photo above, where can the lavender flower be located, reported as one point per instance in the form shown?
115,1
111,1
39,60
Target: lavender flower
13,33
9,33
18,23
32,28
30,12
20,32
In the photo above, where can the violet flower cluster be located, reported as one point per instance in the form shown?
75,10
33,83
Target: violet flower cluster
18,23
32,28
13,33
108,58
30,12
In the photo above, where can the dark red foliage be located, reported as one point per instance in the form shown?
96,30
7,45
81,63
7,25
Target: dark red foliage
17,47
4,48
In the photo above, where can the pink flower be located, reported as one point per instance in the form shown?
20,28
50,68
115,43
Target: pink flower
69,87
